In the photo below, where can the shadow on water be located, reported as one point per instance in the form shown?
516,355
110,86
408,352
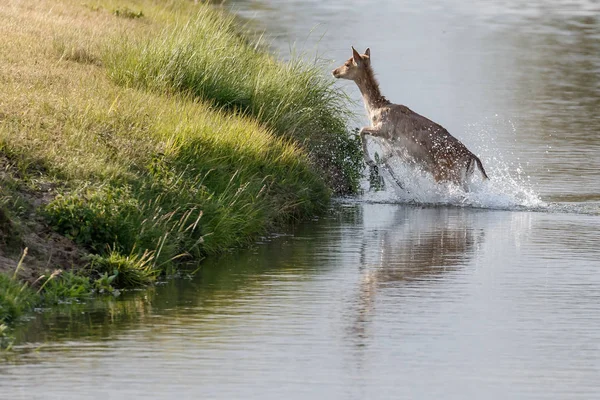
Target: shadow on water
414,246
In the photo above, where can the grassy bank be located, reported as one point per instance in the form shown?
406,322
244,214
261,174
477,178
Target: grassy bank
139,135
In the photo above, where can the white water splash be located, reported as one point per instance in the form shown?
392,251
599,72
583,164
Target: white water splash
506,189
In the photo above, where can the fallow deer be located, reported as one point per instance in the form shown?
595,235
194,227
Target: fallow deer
406,134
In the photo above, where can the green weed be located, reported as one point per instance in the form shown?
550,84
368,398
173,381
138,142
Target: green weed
125,272
67,286
103,284
93,216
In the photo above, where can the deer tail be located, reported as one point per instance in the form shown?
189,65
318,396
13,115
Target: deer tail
480,165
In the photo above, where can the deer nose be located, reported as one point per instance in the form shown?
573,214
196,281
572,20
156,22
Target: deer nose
334,73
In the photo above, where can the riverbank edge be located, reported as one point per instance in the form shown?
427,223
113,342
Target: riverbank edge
70,229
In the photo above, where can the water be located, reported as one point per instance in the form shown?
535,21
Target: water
383,298
374,301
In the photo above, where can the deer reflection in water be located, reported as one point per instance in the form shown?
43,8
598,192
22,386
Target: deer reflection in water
414,246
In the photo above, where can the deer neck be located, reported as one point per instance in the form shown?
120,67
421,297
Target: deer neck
369,88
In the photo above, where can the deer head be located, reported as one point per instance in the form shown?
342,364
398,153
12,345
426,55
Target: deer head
355,67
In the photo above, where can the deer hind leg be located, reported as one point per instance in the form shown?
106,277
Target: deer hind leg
464,172
469,171
471,164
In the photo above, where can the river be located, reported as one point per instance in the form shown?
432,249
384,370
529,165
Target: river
420,295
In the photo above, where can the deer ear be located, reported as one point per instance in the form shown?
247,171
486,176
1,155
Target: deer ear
356,56
368,52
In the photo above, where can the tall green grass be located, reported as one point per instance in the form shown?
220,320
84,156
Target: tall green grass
207,57
171,176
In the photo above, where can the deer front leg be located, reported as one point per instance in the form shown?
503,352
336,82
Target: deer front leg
363,136
375,179
388,153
